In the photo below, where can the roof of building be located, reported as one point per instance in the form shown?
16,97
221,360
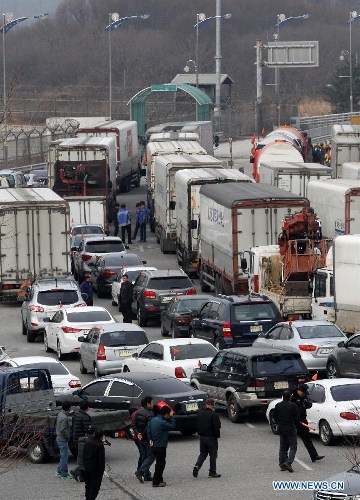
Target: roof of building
204,79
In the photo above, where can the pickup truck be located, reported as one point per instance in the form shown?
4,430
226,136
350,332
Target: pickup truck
28,415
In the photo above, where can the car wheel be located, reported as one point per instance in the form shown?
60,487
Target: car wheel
83,370
46,344
60,355
163,332
141,320
332,370
37,452
96,371
326,435
24,332
273,425
234,410
30,336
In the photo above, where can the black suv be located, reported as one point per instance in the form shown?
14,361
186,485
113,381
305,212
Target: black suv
249,378
234,321
154,289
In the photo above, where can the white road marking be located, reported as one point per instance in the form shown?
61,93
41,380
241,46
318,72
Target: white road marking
251,426
303,464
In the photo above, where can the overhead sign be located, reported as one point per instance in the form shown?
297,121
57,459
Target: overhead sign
293,54
166,87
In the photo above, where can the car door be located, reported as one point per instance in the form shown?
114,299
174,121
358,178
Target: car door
272,338
284,339
224,376
168,314
317,411
89,349
155,361
96,270
94,393
52,329
120,395
137,291
202,324
349,358
209,379
77,257
141,362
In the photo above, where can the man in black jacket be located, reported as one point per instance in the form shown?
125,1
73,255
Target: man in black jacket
94,464
80,425
78,472
287,416
299,397
125,299
208,423
142,418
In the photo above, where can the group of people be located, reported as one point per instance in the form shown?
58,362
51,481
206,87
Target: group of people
121,218
321,153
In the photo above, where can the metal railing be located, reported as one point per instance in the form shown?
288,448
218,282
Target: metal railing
319,127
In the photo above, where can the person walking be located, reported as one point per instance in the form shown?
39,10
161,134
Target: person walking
62,439
78,472
124,221
134,434
114,217
142,418
81,422
125,299
137,225
144,215
94,464
157,432
86,287
286,415
299,397
208,424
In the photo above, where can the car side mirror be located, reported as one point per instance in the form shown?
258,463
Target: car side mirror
204,367
135,355
341,344
144,262
82,339
193,224
47,320
172,205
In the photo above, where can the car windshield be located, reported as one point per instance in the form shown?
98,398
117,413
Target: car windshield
119,260
104,246
253,311
54,297
349,392
133,275
54,368
88,316
169,283
120,338
87,230
163,386
192,351
319,331
193,305
275,364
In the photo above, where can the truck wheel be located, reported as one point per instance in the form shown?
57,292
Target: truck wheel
204,287
141,320
30,336
46,344
37,452
82,368
234,410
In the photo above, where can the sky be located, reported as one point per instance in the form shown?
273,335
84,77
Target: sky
23,8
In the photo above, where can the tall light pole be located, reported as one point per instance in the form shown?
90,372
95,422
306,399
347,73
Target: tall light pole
114,22
354,16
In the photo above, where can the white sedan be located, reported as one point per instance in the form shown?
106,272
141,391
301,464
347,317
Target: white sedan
335,411
133,273
68,324
175,357
62,380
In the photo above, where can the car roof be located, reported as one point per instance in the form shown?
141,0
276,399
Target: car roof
180,341
193,297
85,309
236,299
125,327
308,322
330,382
138,376
122,255
27,360
101,237
52,284
165,274
86,224
256,351
138,268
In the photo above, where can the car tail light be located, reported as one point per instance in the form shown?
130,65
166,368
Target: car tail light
108,273
184,321
37,309
70,329
82,304
148,294
160,404
256,386
227,330
119,434
180,372
307,347
302,381
101,356
191,291
85,257
74,383
349,415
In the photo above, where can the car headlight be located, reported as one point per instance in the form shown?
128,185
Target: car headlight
354,497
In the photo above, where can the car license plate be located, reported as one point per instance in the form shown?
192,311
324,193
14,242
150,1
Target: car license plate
166,299
192,407
281,385
125,353
58,390
256,328
325,351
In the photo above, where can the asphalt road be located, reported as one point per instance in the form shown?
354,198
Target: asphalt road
247,452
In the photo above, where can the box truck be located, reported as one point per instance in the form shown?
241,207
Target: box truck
87,210
351,170
345,146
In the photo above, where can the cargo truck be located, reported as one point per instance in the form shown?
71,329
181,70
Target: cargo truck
34,224
345,146
165,168
337,204
187,209
87,209
351,170
128,165
280,150
336,287
234,217
291,176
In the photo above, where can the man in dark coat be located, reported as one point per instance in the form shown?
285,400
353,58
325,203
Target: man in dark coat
86,287
125,299
78,472
94,464
141,420
81,422
287,416
208,423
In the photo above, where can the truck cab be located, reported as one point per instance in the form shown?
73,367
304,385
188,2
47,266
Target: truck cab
322,301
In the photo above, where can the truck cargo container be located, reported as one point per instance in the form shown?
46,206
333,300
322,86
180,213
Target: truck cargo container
87,210
187,210
279,150
345,146
234,217
351,170
337,204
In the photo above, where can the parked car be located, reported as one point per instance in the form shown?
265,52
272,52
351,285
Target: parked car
314,340
334,412
86,229
178,358
179,313
234,321
107,268
63,330
43,299
249,378
133,273
154,289
91,249
105,349
350,485
12,178
117,390
62,380
343,361
36,179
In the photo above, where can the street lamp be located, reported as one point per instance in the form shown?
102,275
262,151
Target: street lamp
354,16
114,22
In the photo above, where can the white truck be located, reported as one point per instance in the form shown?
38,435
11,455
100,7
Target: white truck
234,217
336,287
351,170
187,210
337,204
125,133
291,176
87,209
275,151
165,168
34,241
345,146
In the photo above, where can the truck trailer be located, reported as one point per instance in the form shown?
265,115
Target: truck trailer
345,146
87,209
